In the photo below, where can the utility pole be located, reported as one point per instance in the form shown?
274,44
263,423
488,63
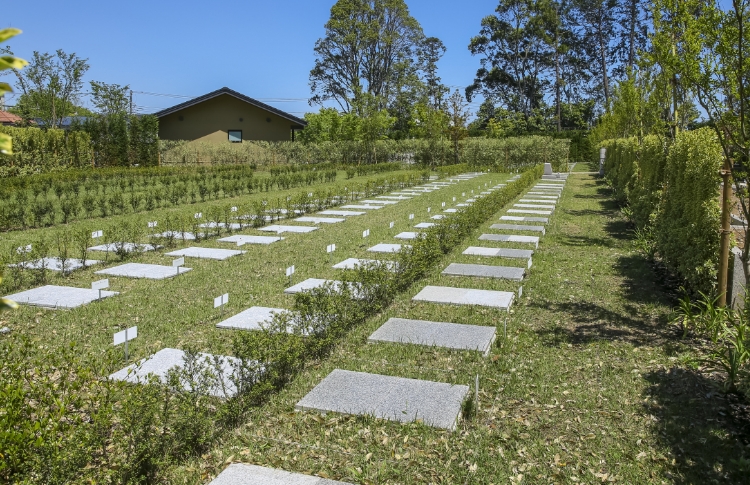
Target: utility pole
725,233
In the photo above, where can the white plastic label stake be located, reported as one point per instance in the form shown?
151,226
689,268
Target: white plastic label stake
529,264
221,300
100,285
443,204
97,234
365,233
454,199
178,262
126,335
520,292
411,217
429,209
290,271
152,224
463,194
331,248
234,208
392,224
198,215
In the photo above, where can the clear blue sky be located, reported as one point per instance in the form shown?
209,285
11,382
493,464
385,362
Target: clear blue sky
263,49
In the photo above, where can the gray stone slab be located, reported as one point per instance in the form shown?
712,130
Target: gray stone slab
538,201
214,225
551,198
127,247
281,229
451,211
206,253
465,296
241,239
535,206
55,264
341,213
512,238
243,474
407,235
399,399
309,284
542,220
518,227
436,334
354,263
251,319
65,297
141,270
472,200
424,225
384,202
393,197
320,220
543,194
529,211
385,248
485,271
499,252
362,206
462,204
159,365
185,236
438,217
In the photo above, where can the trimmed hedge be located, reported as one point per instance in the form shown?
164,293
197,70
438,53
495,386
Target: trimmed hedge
37,151
673,196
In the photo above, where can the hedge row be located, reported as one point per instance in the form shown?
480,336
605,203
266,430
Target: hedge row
673,196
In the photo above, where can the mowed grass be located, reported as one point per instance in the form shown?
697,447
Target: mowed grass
179,312
588,387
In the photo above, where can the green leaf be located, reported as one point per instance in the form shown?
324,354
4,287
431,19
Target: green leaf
6,304
10,62
6,144
6,34
5,88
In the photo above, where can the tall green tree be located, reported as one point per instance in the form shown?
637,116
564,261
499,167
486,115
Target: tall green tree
429,53
51,85
599,21
109,99
370,46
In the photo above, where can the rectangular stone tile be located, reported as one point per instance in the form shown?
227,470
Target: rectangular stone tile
206,253
435,334
529,211
450,211
437,217
185,236
243,474
213,225
362,206
399,399
463,204
341,213
159,365
384,202
310,284
464,296
141,270
424,225
518,227
56,264
393,197
320,220
127,247
535,206
64,297
510,238
538,201
241,239
354,263
543,194
499,252
407,235
252,318
385,248
281,229
485,271
543,220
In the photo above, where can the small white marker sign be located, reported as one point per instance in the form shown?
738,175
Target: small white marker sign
520,292
392,224
178,262
152,224
429,209
365,233
126,335
411,217
290,271
100,285
454,199
463,194
22,249
331,248
198,215
528,266
443,204
97,234
221,300
234,208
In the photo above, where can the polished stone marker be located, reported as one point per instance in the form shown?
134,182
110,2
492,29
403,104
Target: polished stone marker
548,199
127,247
399,399
435,334
185,236
213,225
464,296
518,227
543,220
354,263
242,474
243,239
543,194
424,225
65,297
251,319
141,270
383,202
164,360
529,211
341,213
385,248
535,206
281,229
393,197
55,264
499,252
438,217
451,211
206,253
320,220
362,206
538,201
407,235
485,271
511,238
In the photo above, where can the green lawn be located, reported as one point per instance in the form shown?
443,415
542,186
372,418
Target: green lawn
590,386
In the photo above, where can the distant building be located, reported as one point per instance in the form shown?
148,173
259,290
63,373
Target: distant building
226,115
9,119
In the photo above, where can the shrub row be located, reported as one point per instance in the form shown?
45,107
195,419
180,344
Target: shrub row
673,196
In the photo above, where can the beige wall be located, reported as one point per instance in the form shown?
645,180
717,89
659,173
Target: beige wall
210,121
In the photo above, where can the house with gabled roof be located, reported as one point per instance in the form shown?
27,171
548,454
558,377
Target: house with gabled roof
225,116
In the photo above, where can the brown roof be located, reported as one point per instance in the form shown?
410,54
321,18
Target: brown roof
8,118
237,95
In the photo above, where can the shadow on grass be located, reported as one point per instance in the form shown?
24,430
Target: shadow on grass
586,241
695,421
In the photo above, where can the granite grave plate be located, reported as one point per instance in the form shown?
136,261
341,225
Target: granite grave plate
518,227
213,225
65,297
185,236
399,399
465,296
383,202
510,238
341,213
56,264
354,263
529,211
407,235
141,270
362,206
281,229
243,474
385,248
485,271
543,220
435,334
241,239
252,318
393,197
424,225
451,211
159,365
206,253
437,217
320,220
538,201
127,247
499,252
535,206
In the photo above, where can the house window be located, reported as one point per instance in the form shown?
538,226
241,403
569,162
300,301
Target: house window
235,136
